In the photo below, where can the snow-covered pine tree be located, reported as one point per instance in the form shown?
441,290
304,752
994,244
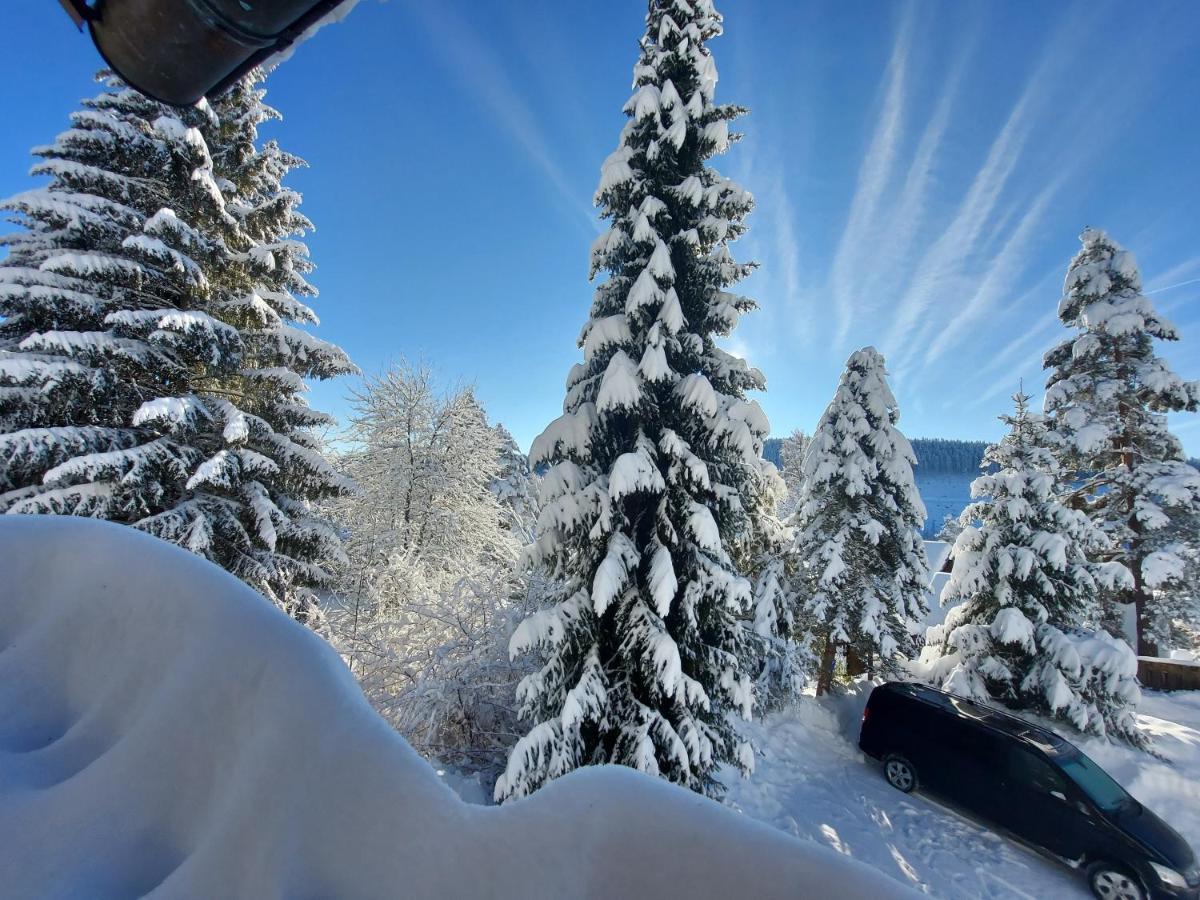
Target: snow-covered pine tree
150,372
863,575
1024,586
654,457
1106,395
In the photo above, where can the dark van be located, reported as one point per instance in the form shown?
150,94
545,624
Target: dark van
1029,782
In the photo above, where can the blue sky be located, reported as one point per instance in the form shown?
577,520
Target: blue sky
921,172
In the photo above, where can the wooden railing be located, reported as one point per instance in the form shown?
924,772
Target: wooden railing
1168,674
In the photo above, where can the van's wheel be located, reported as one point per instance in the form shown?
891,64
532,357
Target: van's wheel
1112,882
900,773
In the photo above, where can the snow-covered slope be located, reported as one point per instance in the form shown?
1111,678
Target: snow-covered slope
164,730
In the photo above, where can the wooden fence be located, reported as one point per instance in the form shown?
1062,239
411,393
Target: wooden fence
1168,674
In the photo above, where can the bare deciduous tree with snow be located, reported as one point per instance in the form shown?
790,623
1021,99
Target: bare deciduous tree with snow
791,459
432,595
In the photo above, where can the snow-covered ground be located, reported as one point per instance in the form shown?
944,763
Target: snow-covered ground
165,731
811,781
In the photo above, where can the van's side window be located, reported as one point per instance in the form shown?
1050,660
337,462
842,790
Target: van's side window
969,743
1027,770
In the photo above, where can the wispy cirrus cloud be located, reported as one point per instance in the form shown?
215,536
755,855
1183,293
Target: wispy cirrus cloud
772,242
874,177
983,252
1008,383
997,281
946,265
474,63
1019,360
1177,276
780,252
906,217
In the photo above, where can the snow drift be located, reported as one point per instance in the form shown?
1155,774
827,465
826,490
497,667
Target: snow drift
164,730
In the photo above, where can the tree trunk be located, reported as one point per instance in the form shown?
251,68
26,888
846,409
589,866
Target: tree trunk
1143,607
825,672
855,664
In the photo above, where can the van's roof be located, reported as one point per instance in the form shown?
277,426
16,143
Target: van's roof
1041,738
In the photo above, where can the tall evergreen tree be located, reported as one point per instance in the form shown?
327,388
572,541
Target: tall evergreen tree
1024,585
863,574
150,372
655,456
1106,395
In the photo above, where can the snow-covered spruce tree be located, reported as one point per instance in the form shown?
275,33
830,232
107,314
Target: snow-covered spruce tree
1024,586
952,527
862,571
150,372
1177,604
654,457
1106,395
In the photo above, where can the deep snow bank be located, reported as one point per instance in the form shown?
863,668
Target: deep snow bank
164,730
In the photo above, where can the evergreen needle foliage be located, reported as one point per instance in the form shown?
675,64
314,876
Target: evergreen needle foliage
151,367
655,464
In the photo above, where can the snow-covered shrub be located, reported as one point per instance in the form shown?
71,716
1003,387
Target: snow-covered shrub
1025,586
1106,396
438,668
862,575
1085,678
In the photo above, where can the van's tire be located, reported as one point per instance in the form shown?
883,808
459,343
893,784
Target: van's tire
900,773
1109,881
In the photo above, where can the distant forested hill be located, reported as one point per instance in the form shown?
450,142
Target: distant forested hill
942,455
933,454
945,470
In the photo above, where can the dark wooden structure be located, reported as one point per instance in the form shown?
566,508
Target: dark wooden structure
1168,674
